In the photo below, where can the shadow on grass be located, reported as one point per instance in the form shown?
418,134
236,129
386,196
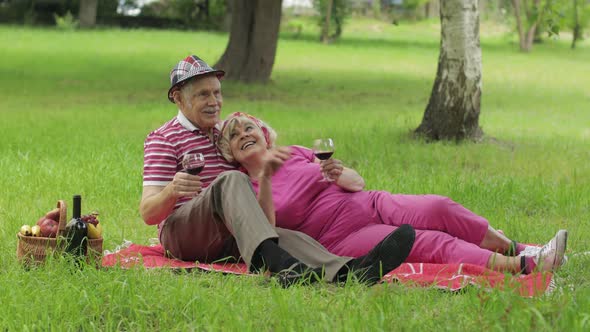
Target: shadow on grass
506,46
365,42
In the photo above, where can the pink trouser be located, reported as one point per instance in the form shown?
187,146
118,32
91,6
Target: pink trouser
446,232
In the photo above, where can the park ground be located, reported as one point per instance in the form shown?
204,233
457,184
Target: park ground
76,107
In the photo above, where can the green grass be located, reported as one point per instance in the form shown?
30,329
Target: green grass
76,107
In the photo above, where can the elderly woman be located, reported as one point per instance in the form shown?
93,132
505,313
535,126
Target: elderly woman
348,220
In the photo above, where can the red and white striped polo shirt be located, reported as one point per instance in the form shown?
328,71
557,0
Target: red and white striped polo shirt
164,148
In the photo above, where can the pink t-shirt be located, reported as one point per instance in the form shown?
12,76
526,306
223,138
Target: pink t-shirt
322,210
352,223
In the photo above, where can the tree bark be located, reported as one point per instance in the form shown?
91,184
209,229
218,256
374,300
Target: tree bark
453,109
577,29
519,25
530,37
527,27
250,52
87,13
326,27
228,15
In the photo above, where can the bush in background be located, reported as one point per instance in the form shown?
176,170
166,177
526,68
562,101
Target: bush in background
207,15
66,22
34,12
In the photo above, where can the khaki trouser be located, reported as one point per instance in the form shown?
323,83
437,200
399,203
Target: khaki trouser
227,214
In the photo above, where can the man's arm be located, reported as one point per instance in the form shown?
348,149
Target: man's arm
158,202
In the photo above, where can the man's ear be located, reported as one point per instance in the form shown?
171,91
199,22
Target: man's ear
176,95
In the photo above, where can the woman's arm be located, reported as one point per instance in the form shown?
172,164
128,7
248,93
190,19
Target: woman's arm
346,178
265,198
273,160
350,180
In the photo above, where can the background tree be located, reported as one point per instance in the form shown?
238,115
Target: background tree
453,109
415,9
576,23
577,18
325,38
531,15
333,14
87,13
431,8
250,52
203,14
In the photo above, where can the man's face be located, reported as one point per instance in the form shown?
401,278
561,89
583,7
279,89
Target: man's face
201,102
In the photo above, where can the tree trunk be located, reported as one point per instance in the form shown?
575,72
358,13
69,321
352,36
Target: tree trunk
250,52
226,26
526,32
87,13
253,38
326,28
453,109
519,25
577,28
530,38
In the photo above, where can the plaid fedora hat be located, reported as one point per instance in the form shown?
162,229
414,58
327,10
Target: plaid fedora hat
188,68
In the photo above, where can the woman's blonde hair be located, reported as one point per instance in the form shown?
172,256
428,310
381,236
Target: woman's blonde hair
239,118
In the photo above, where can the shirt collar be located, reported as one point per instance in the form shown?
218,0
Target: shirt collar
188,125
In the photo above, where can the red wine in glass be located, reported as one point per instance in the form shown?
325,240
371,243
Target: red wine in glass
324,155
193,163
323,149
195,170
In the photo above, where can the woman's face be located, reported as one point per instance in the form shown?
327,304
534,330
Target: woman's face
246,140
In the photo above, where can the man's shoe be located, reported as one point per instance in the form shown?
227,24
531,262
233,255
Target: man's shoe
299,274
387,255
551,255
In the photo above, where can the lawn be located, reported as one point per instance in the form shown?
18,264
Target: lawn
76,107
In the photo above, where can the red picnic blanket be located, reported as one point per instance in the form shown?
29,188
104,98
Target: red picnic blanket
451,277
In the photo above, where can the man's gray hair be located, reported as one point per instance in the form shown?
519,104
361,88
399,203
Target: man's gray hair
186,91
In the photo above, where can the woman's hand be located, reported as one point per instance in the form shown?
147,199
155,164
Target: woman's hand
344,177
274,159
332,168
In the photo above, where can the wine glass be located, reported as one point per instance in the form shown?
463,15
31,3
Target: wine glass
323,149
193,163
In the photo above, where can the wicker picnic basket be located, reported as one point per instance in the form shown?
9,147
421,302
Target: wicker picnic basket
34,250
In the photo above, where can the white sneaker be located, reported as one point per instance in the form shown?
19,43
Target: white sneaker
530,251
551,255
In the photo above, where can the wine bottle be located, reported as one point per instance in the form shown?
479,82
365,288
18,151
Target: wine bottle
77,231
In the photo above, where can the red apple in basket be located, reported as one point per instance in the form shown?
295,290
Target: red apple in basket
48,227
53,214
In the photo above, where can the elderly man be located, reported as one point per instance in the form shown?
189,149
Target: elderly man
215,215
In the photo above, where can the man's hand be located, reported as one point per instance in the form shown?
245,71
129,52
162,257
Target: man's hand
332,168
185,185
274,159
157,202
